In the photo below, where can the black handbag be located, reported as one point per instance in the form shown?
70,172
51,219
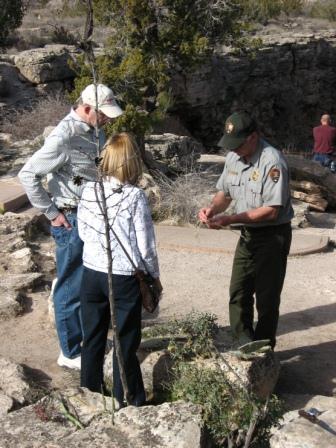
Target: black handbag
151,290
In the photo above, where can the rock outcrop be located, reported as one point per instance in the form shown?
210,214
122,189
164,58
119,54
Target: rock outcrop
17,263
297,431
287,85
77,417
46,65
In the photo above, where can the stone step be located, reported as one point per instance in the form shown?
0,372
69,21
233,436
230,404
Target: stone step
12,195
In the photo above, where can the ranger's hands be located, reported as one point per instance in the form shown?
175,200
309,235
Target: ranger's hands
60,221
219,221
204,214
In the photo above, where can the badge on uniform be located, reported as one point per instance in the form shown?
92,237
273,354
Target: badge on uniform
229,127
274,174
255,175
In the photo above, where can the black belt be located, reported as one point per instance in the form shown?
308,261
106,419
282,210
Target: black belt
68,209
265,228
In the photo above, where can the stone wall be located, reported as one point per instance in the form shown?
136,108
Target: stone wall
289,83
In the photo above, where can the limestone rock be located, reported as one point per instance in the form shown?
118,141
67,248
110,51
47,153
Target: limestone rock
34,426
6,404
45,65
13,382
156,370
180,152
45,424
298,432
289,77
20,282
11,304
169,425
324,220
259,375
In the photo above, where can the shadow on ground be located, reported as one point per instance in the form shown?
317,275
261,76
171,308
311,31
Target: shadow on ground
306,319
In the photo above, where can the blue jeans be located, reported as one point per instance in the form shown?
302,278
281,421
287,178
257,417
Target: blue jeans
322,159
69,249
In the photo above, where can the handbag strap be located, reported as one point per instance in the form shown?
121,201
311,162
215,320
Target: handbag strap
137,270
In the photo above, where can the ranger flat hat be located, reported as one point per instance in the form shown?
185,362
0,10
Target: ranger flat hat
237,128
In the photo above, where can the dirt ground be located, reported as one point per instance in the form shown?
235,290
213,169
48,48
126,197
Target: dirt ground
306,334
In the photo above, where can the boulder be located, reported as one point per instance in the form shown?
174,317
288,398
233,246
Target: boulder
79,418
6,404
178,151
13,383
296,431
48,64
11,304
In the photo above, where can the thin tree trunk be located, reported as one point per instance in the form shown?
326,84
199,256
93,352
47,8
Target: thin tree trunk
103,205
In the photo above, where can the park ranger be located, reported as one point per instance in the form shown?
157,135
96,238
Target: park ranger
256,178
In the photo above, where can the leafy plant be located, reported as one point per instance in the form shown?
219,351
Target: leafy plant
227,410
199,330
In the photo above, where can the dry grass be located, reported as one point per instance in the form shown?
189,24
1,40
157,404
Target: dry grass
181,199
29,123
46,25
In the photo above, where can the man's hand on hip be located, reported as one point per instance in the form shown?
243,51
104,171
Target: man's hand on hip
60,221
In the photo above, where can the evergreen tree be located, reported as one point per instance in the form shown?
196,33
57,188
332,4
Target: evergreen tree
11,14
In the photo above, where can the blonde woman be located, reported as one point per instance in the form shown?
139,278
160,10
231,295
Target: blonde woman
130,217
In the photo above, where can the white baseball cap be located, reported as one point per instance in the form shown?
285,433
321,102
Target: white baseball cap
105,97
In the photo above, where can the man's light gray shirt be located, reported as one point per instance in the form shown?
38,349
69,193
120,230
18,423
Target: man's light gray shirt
67,158
262,181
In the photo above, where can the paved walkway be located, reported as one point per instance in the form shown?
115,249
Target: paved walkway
224,241
12,194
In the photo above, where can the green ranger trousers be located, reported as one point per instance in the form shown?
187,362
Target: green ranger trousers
259,269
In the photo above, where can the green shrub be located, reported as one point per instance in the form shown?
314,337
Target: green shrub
324,10
227,410
198,328
11,14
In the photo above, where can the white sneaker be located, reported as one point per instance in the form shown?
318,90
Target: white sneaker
74,363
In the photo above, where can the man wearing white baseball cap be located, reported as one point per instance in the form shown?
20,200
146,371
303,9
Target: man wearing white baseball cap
105,99
67,159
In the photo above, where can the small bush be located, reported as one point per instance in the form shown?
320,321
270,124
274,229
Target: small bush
324,10
61,35
227,410
198,328
29,123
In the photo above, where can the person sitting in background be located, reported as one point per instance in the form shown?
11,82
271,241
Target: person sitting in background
129,216
324,141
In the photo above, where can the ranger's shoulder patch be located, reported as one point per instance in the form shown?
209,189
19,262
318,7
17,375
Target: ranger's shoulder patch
274,174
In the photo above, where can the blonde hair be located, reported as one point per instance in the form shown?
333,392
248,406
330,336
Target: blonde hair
121,159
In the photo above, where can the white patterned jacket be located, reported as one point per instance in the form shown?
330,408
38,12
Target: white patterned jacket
129,215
